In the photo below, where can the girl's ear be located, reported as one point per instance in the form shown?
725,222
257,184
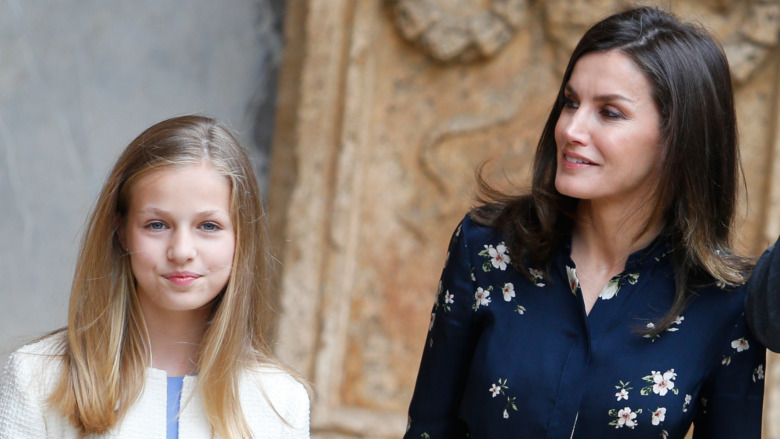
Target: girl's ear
119,226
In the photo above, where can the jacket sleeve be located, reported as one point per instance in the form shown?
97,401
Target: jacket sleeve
449,347
21,413
762,306
731,399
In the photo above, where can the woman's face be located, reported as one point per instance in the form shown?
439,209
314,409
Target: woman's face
608,133
180,237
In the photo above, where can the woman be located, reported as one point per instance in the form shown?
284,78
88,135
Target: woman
169,313
609,298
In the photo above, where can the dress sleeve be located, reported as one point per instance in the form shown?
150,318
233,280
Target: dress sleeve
21,414
449,347
298,414
731,397
763,300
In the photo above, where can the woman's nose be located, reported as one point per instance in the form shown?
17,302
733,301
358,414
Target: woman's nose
574,126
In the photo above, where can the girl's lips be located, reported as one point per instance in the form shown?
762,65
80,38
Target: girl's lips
183,278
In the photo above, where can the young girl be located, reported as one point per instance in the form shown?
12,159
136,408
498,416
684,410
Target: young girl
169,320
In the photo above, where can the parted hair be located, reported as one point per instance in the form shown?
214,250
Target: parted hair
699,175
105,349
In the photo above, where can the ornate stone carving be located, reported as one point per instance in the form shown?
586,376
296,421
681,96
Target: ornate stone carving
447,36
749,47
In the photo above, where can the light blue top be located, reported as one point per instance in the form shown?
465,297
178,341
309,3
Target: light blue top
173,406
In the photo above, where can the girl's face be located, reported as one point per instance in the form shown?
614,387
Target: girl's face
608,133
180,237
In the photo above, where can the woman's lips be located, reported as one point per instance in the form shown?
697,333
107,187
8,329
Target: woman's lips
575,162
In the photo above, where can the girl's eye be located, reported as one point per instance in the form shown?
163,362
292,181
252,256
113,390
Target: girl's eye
210,227
156,225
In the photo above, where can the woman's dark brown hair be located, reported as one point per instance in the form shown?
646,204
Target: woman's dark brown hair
700,172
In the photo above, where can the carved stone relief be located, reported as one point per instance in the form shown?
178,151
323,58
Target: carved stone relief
447,34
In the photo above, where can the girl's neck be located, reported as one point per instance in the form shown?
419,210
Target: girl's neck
175,338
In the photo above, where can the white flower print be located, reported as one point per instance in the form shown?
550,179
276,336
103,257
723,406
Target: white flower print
758,373
502,388
433,318
609,290
498,256
663,382
574,283
509,291
623,390
659,415
740,344
448,297
624,417
627,418
481,297
613,286
686,403
660,383
473,277
678,321
538,276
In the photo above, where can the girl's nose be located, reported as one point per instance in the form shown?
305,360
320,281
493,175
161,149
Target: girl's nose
182,247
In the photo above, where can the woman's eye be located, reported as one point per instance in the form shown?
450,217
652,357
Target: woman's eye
210,227
611,114
570,103
156,225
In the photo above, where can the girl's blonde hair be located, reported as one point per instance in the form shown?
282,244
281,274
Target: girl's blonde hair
105,347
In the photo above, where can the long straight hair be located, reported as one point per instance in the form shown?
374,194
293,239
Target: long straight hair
106,349
699,175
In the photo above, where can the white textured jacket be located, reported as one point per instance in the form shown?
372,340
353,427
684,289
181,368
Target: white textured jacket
31,373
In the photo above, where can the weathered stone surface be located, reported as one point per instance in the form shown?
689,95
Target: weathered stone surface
374,167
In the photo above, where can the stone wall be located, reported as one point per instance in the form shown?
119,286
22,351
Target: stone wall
385,109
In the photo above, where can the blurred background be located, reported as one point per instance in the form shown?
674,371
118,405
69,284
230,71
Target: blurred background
365,119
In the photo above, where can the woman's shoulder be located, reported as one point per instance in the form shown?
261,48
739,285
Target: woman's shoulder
477,231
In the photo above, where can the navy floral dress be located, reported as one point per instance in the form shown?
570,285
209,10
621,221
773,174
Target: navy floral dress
507,357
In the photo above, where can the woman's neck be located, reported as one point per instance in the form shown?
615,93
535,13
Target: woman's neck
175,338
607,235
602,241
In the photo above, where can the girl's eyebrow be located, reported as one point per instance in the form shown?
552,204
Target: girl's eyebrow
156,211
603,98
